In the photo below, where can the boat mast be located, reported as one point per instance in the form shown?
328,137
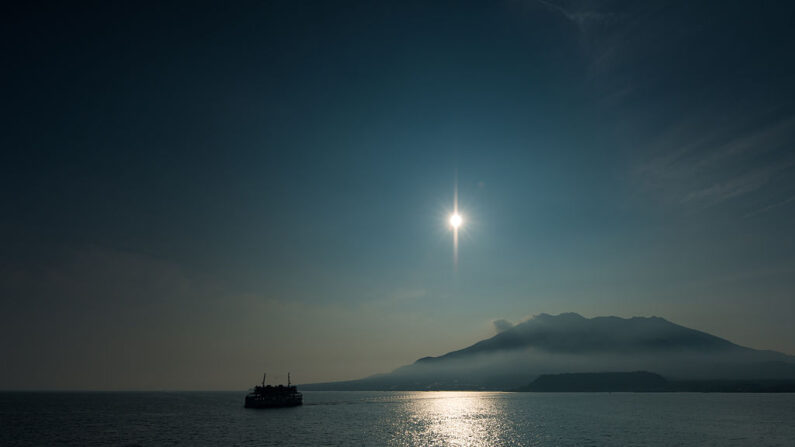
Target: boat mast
263,379
288,379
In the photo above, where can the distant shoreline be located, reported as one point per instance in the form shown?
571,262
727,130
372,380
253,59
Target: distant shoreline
648,382
596,382
666,391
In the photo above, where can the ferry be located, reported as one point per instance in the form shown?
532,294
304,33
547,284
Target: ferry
268,396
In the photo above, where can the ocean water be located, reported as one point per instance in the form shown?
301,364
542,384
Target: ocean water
399,419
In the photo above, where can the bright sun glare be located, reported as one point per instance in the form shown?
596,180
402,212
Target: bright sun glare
455,220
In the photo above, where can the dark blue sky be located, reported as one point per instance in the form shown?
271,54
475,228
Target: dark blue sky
227,187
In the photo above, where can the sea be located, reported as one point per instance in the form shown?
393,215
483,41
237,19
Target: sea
398,419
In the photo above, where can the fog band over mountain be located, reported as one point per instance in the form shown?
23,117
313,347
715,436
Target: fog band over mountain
570,343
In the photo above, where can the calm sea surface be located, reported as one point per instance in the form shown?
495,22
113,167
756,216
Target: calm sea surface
400,418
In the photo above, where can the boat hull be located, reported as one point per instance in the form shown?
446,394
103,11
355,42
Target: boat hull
273,401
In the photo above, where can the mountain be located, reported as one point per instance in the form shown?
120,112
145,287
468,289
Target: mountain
638,381
570,343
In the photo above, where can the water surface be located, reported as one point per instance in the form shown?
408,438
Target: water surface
400,419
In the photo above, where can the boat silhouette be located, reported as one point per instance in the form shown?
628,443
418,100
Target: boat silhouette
268,396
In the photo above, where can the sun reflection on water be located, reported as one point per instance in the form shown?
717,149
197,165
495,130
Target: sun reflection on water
451,418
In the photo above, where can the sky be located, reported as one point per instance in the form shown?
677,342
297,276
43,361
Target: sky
194,193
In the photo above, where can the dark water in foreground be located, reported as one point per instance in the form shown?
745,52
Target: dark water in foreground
400,418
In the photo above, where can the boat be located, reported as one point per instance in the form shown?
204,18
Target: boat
268,396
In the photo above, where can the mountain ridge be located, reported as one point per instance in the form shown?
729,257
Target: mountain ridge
571,343
517,336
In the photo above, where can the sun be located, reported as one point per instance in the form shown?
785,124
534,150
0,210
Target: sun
456,220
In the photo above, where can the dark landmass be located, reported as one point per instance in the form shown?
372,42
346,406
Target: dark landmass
548,344
638,381
733,386
647,382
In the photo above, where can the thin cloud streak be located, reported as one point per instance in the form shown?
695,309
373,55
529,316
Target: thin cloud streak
579,17
770,207
702,166
743,184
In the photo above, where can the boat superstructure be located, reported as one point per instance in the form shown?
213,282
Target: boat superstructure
269,396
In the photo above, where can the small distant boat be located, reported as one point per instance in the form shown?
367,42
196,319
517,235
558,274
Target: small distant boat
267,396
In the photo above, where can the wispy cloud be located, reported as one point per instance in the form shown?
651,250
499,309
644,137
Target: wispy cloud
733,187
770,207
710,163
583,17
611,35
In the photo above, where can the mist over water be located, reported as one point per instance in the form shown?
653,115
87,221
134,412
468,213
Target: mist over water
570,343
399,419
